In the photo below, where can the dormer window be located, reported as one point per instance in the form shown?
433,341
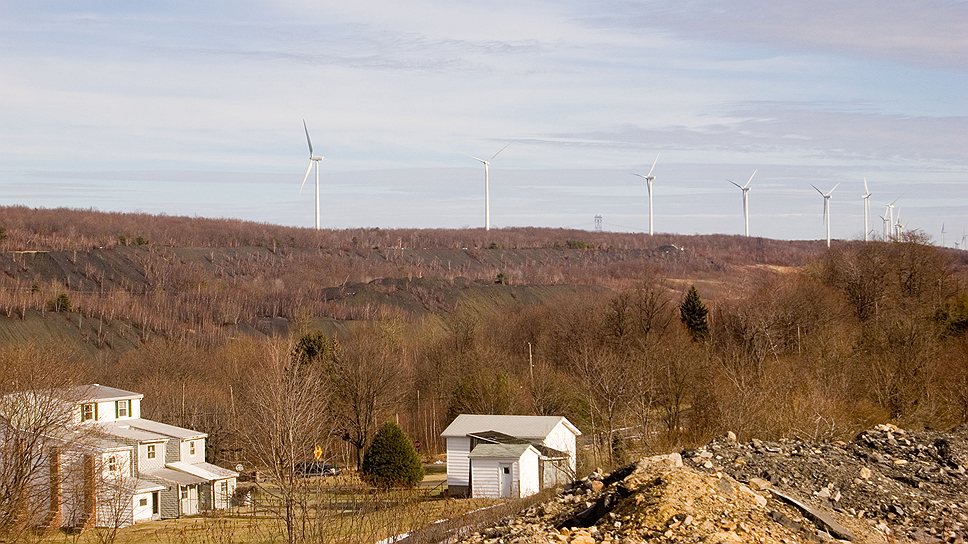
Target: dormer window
122,408
151,451
88,411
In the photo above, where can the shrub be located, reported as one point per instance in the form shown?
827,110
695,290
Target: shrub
60,304
391,460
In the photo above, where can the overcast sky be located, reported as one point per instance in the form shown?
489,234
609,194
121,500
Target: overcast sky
196,108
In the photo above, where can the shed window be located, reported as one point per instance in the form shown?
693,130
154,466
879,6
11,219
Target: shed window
88,411
151,451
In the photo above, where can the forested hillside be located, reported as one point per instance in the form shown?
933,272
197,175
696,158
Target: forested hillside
419,325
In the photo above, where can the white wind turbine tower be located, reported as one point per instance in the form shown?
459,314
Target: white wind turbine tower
898,226
867,210
942,234
313,160
487,186
649,178
746,200
890,214
826,207
887,225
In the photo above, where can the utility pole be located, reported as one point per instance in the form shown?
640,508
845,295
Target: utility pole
598,223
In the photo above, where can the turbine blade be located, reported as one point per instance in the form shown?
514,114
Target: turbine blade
475,158
653,164
750,180
834,189
867,192
818,190
499,152
734,183
308,141
643,176
309,169
894,201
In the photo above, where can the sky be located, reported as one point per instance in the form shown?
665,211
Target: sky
196,108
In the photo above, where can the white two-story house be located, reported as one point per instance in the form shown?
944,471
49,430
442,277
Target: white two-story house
122,468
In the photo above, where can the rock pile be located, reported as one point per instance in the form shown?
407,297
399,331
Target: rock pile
887,485
910,484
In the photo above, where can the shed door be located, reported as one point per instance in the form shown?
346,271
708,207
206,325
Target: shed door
504,474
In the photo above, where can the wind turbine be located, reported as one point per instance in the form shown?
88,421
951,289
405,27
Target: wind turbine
942,234
746,200
890,210
867,210
887,225
898,226
826,207
487,186
649,178
314,160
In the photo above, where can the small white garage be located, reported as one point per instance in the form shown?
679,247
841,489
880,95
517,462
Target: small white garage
504,471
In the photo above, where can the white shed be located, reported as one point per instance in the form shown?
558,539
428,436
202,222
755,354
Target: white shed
554,438
504,471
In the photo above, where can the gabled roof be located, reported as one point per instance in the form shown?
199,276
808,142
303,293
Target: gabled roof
98,392
500,451
530,427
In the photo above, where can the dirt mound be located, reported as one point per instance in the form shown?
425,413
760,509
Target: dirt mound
887,485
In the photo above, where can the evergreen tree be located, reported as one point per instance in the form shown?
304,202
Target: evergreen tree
693,312
391,460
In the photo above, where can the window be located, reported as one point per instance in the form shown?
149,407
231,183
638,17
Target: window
143,502
507,470
184,492
122,408
88,411
191,448
223,488
113,464
151,451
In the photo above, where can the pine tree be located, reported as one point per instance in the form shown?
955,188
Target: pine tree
693,312
391,460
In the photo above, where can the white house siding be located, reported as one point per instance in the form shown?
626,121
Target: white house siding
141,512
487,482
528,474
562,439
486,475
185,448
147,465
458,473
222,499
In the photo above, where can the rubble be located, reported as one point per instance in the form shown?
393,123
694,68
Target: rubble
887,485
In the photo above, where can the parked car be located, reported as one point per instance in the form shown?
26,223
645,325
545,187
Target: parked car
317,468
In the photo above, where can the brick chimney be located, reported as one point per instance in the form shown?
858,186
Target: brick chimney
55,518
90,492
